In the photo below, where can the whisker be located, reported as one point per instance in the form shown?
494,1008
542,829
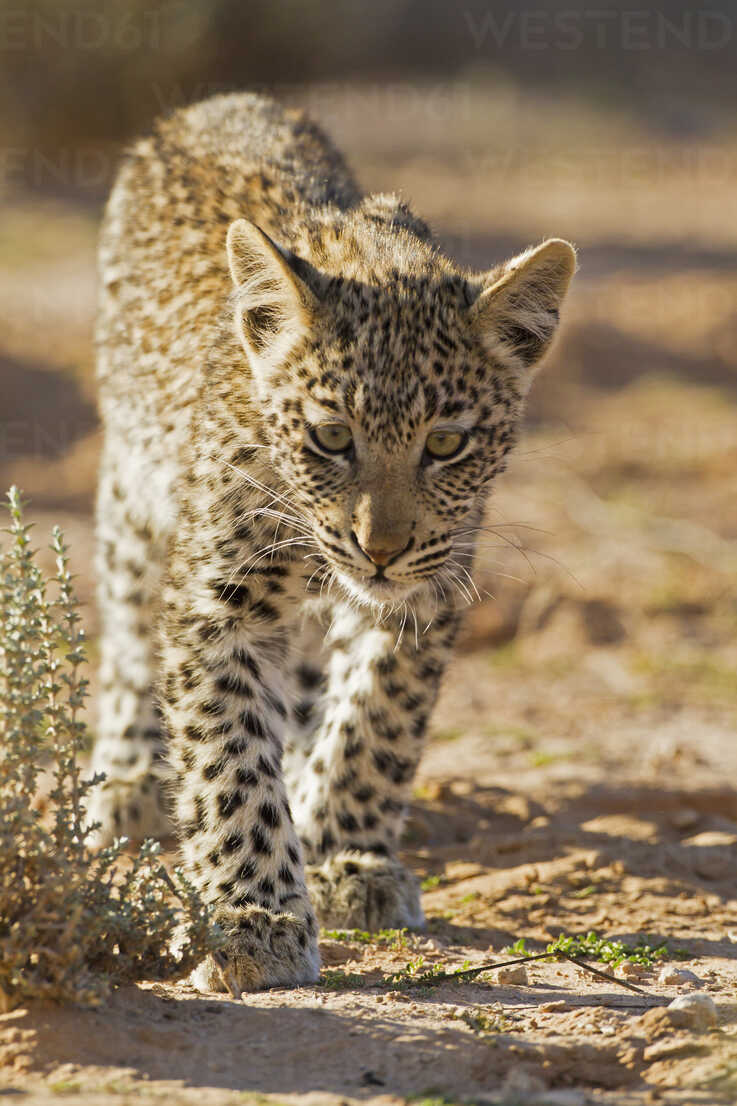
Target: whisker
467,574
257,484
258,555
463,587
414,619
294,521
271,549
401,628
457,584
506,525
320,568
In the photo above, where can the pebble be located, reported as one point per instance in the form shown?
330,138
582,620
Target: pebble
675,977
433,944
711,853
698,1007
516,975
628,970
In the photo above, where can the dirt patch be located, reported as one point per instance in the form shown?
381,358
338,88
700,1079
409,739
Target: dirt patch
500,862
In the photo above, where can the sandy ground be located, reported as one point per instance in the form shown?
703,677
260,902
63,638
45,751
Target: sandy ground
611,842
582,768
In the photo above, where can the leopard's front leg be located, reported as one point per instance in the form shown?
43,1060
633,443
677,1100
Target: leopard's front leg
351,798
223,654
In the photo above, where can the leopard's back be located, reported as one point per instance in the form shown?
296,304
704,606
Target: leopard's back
163,273
163,268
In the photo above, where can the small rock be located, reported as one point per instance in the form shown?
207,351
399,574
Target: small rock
699,1009
711,853
676,977
515,975
433,944
557,1006
628,970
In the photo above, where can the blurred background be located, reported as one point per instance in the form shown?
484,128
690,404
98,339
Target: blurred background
582,770
615,533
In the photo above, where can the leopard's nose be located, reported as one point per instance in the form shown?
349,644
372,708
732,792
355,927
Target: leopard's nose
380,551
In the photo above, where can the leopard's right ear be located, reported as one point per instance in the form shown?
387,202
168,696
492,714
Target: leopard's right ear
273,306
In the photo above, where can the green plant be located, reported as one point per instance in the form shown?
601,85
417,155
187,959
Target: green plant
334,979
607,951
417,972
584,892
431,1098
487,1022
388,938
591,946
72,921
470,897
447,735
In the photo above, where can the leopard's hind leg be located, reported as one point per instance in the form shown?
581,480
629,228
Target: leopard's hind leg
130,746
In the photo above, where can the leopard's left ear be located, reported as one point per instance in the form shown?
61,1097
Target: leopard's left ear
518,308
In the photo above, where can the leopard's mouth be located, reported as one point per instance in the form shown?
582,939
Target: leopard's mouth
382,584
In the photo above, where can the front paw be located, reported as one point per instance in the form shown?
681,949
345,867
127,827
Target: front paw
261,950
355,890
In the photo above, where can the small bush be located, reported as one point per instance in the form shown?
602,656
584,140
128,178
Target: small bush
72,921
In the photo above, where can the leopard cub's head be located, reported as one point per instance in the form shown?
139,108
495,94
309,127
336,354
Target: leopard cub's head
391,384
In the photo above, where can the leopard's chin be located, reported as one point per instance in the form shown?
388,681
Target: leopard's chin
374,592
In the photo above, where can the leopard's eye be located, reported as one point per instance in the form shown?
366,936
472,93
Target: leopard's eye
441,445
333,437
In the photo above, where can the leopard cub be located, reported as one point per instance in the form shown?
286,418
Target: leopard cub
305,405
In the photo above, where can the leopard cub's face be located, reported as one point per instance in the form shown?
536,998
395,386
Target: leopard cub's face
389,460
391,405
389,522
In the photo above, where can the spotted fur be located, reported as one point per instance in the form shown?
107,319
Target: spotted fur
288,610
